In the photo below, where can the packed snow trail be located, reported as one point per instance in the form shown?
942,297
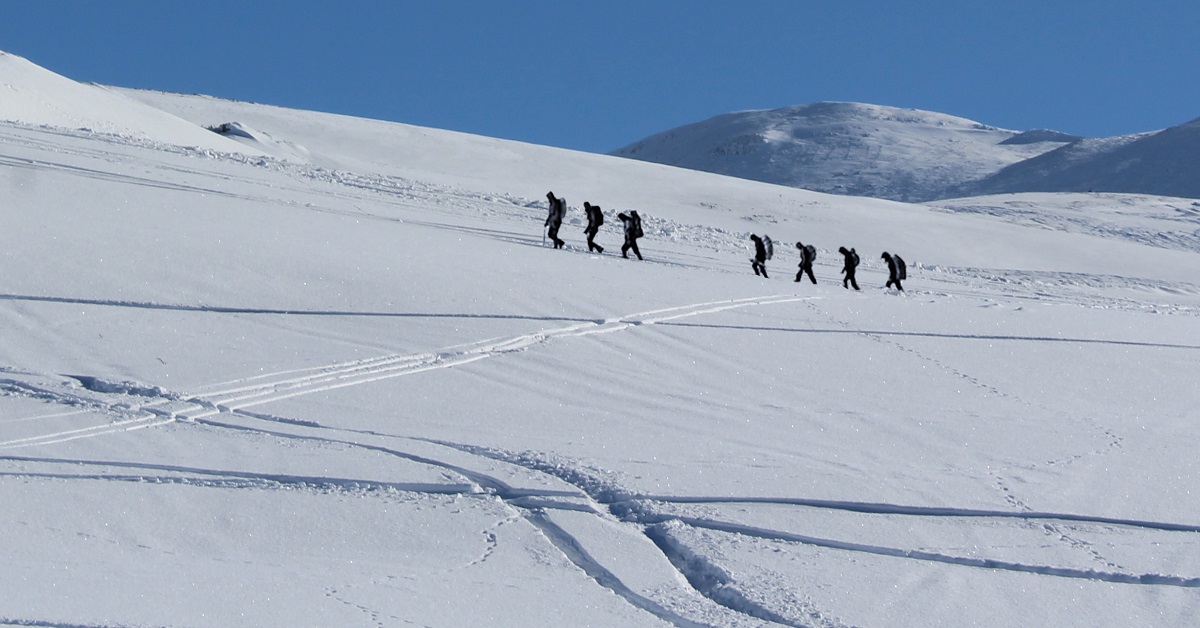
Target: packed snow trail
139,407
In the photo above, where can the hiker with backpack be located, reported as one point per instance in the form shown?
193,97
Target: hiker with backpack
808,253
851,263
558,210
633,231
595,218
759,261
897,270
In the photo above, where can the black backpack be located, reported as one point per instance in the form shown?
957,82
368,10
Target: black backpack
901,269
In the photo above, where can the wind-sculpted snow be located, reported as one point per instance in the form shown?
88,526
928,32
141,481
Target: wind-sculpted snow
349,385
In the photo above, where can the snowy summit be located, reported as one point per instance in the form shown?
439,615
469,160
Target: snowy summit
912,155
845,148
271,367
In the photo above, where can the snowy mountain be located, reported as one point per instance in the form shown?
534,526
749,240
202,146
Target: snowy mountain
847,148
1165,163
909,155
328,374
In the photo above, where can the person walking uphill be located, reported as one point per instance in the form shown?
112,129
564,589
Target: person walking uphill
633,231
558,209
896,270
759,262
808,253
595,218
850,265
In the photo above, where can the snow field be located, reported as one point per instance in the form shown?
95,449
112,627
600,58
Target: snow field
347,385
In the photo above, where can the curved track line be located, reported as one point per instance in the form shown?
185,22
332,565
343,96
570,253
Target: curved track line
877,508
963,561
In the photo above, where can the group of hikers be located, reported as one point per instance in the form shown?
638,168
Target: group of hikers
763,246
595,217
764,249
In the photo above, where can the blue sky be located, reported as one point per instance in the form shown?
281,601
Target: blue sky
599,75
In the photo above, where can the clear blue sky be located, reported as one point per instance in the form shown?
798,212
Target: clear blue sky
597,75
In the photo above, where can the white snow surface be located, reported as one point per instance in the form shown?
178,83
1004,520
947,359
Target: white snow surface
344,383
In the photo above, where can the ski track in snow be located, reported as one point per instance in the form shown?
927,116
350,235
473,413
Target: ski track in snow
164,407
1051,528
233,397
594,494
134,406
40,623
590,494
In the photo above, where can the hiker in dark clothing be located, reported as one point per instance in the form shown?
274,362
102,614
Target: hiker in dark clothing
849,267
759,262
808,253
558,209
896,270
633,231
595,218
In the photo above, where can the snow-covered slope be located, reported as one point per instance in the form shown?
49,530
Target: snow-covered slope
846,148
1164,163
346,384
1160,221
31,94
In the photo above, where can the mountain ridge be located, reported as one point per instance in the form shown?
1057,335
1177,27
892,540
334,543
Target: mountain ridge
914,155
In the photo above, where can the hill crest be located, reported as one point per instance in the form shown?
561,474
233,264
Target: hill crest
39,97
845,148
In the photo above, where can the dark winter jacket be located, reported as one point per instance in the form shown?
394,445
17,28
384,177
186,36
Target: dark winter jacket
760,249
558,210
891,264
851,259
808,253
595,217
633,224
